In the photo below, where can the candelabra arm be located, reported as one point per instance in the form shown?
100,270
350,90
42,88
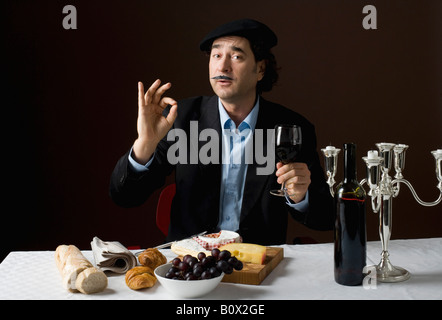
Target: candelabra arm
374,194
332,192
375,207
423,203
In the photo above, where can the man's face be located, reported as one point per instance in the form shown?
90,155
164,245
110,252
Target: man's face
233,71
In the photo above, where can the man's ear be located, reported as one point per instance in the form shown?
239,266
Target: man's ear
261,67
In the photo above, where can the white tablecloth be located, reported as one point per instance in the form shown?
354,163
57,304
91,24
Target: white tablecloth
306,272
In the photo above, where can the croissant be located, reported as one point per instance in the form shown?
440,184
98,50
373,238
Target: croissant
140,277
152,258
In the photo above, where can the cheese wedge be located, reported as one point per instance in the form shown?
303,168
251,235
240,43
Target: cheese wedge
188,246
246,252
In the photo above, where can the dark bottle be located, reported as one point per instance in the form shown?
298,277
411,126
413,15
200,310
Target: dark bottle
350,235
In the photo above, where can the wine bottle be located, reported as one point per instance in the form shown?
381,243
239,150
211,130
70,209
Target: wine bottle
350,230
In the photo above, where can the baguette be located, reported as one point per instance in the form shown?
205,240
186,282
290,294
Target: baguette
77,273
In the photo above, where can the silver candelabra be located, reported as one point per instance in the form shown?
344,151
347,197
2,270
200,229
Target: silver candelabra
383,188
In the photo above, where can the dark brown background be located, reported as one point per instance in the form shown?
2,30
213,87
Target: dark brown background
70,104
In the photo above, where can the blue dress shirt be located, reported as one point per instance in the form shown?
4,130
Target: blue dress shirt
234,166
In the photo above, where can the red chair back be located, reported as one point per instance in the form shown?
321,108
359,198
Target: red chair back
163,208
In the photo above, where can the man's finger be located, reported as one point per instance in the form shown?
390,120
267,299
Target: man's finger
141,101
173,112
167,101
151,91
160,91
283,169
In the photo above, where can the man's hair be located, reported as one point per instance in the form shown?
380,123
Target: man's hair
261,52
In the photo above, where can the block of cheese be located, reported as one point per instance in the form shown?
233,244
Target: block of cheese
246,252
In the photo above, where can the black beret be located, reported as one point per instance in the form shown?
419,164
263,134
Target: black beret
250,29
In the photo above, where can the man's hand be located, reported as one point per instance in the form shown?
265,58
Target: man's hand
152,126
296,176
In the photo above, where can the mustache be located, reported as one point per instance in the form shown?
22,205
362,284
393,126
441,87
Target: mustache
221,78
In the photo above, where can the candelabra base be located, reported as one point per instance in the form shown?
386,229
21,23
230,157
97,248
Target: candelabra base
386,272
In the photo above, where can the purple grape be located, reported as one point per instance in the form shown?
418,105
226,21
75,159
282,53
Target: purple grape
222,265
214,272
215,253
224,255
201,256
229,269
198,270
239,265
176,262
235,263
192,261
183,266
173,269
208,262
192,277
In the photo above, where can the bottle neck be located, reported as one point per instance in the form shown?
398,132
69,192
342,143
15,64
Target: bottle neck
349,162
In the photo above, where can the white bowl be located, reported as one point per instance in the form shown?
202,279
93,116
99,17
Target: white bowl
186,288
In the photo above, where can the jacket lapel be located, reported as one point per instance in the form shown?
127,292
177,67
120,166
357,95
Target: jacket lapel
255,183
209,119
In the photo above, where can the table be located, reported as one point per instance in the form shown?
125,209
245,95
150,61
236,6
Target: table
306,272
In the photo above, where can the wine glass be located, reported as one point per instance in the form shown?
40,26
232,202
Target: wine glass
288,141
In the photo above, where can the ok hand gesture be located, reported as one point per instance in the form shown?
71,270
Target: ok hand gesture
152,126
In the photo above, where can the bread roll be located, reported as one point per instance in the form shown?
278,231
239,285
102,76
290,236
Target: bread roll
140,277
152,258
77,273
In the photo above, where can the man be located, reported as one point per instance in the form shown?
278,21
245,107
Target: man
222,194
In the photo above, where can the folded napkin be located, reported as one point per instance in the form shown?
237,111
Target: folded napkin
112,256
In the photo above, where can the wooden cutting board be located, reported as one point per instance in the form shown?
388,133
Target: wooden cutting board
256,273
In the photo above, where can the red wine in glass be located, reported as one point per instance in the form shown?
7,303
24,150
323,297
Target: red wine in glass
288,142
287,152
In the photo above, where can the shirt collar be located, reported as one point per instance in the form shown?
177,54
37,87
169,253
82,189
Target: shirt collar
248,123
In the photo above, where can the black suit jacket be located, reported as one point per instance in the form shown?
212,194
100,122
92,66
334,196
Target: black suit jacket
195,207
